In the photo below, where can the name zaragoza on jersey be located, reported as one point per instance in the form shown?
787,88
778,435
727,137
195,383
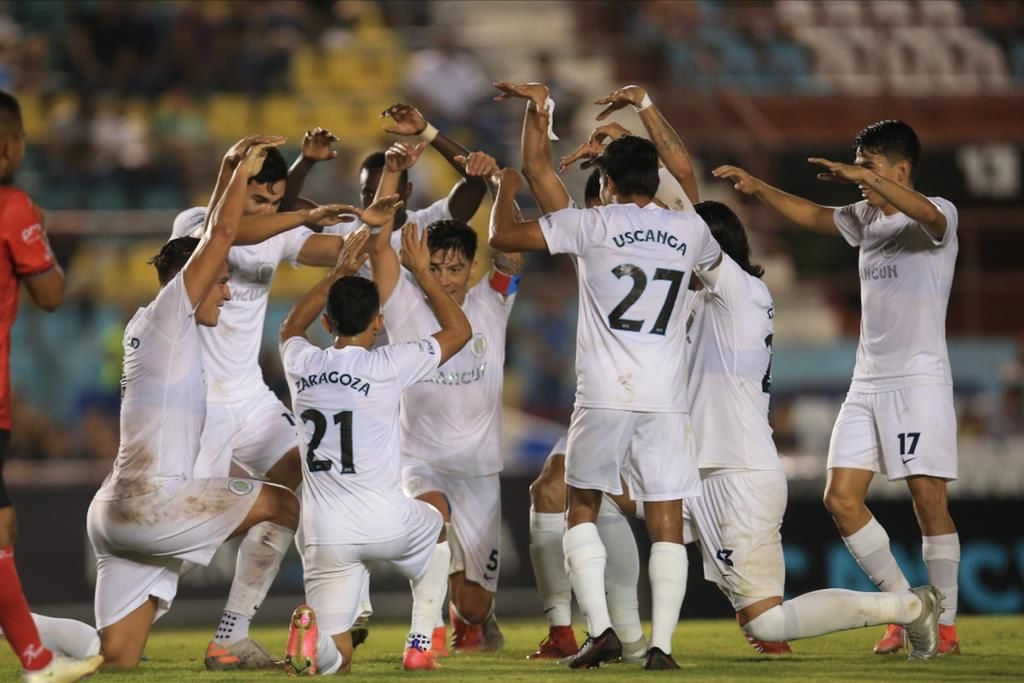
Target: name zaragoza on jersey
334,377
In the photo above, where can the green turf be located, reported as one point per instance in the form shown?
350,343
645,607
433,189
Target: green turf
707,651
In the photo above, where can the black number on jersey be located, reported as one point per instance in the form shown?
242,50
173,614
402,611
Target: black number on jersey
344,419
766,382
615,319
908,442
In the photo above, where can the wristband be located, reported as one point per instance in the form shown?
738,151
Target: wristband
429,133
549,107
503,283
375,230
644,104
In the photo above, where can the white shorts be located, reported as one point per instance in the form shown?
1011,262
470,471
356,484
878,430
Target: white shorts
654,450
140,542
255,433
475,504
337,576
738,522
901,433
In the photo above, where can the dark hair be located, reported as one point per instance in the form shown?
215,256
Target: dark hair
592,192
452,235
172,257
728,231
375,162
275,168
892,138
10,114
352,303
632,162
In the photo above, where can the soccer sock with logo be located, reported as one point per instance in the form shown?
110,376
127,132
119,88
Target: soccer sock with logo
428,592
869,545
585,559
259,558
16,620
830,610
942,560
668,569
548,559
621,573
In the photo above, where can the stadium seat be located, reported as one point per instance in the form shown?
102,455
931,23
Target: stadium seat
229,116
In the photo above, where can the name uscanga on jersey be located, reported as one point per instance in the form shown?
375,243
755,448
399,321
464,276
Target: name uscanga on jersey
730,367
634,266
905,279
346,404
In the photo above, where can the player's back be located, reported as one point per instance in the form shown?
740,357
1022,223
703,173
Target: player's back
634,266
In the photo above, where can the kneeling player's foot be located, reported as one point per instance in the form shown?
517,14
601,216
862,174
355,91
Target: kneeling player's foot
635,651
360,632
604,648
300,654
767,648
949,641
494,639
251,655
63,669
416,659
894,640
466,637
439,643
923,632
218,658
560,642
659,661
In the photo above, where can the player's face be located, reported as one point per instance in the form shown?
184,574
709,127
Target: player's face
261,200
208,312
453,270
881,165
369,179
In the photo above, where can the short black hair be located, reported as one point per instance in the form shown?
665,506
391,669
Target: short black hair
275,168
894,139
172,258
375,162
352,304
452,236
10,114
592,192
632,162
728,231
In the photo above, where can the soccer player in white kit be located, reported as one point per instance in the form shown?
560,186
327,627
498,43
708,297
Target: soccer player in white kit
152,513
354,512
898,416
634,259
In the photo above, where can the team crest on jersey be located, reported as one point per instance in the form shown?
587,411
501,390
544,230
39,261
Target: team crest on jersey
478,345
264,272
240,487
891,248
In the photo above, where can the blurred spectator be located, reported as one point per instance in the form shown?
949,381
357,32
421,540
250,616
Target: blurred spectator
1010,410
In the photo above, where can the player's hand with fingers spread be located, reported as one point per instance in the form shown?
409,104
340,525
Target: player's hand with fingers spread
535,92
415,253
407,119
741,180
332,214
631,94
382,211
353,253
587,151
609,131
316,145
839,172
401,156
478,164
237,151
256,153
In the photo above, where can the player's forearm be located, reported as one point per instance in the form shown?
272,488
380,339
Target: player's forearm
538,170
308,308
803,212
226,215
296,179
671,150
501,232
911,203
223,179
255,229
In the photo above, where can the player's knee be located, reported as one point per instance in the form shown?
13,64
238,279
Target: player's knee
769,626
841,504
283,508
547,493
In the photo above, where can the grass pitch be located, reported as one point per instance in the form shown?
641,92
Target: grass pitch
706,650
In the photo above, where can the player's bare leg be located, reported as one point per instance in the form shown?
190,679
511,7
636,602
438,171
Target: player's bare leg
668,571
940,547
123,641
439,638
287,471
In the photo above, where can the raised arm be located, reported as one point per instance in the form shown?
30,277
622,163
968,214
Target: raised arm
482,165
383,260
508,232
465,197
255,229
455,330
316,146
803,212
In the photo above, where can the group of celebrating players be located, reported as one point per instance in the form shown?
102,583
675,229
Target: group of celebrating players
390,450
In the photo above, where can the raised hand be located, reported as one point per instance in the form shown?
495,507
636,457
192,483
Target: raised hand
353,253
839,172
401,156
316,144
237,151
478,164
382,211
535,92
415,253
609,131
407,119
742,181
332,214
256,152
631,94
587,152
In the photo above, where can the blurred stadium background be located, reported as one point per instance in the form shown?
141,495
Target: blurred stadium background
129,107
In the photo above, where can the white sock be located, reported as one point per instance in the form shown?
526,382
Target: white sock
830,610
668,569
365,608
548,559
585,560
428,592
870,547
68,637
328,656
621,573
259,557
942,559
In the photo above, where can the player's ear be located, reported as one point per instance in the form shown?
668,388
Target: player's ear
327,324
378,324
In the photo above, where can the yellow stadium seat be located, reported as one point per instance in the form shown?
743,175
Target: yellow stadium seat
230,116
33,115
283,115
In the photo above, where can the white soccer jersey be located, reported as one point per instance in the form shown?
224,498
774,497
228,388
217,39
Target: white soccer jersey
730,369
163,396
634,266
231,350
905,278
346,408
452,420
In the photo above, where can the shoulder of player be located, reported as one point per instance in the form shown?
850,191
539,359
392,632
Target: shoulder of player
13,200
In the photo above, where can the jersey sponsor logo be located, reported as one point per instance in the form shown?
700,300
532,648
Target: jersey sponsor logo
356,384
655,236
240,292
725,556
453,379
879,272
240,487
478,345
32,233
